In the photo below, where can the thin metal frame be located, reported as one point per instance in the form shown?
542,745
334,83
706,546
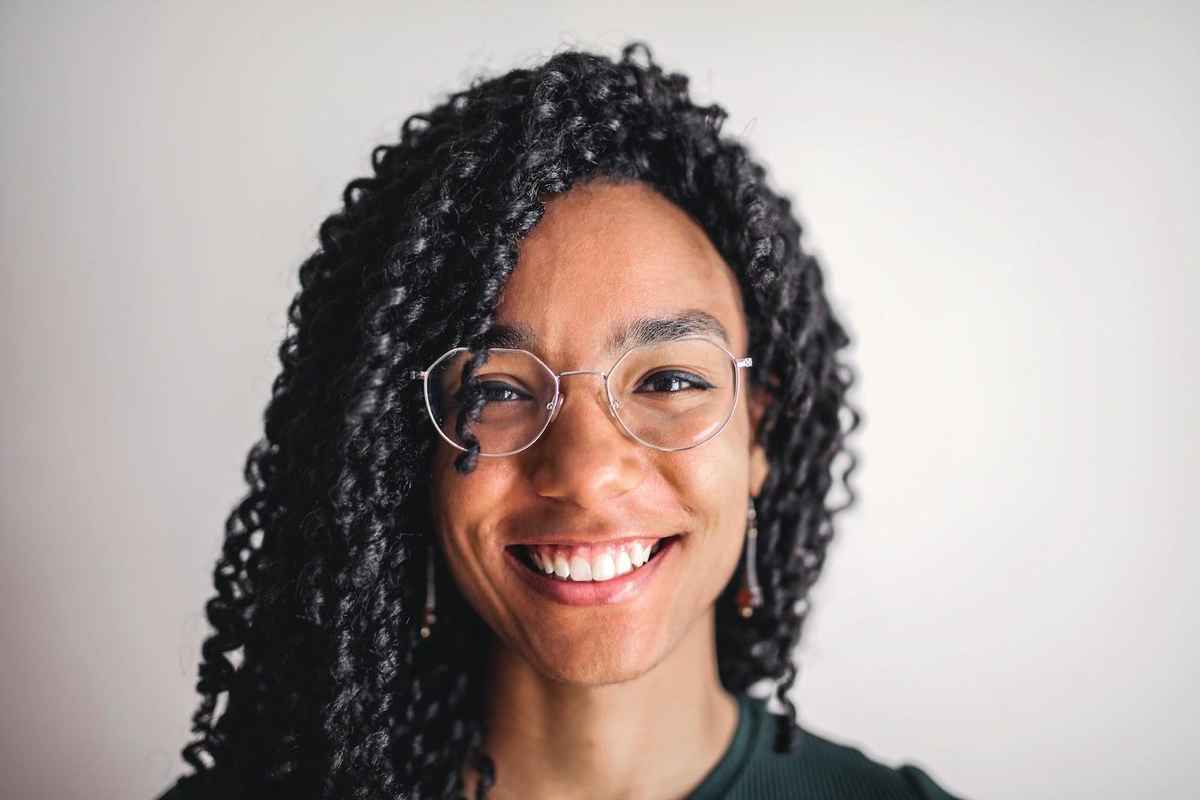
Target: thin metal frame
555,404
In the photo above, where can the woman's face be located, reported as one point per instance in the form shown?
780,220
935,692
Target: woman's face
602,256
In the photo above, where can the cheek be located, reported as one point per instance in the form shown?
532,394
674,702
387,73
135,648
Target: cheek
466,506
717,472
462,506
711,481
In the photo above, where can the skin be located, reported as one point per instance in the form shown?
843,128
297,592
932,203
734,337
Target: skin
624,700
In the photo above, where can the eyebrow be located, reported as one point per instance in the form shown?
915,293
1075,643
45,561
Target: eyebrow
637,332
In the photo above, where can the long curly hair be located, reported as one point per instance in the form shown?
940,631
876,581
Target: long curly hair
315,681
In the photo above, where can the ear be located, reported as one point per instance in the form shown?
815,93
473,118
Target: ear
757,400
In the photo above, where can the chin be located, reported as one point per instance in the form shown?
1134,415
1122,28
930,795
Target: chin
595,665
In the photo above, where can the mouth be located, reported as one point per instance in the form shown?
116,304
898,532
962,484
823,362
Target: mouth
596,575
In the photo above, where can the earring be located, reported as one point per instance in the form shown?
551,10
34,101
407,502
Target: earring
429,617
749,597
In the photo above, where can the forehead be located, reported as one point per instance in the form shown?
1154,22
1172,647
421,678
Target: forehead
612,263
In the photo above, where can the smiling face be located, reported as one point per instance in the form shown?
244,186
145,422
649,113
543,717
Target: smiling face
602,256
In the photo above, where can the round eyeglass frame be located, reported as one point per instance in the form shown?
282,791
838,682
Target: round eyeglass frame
555,404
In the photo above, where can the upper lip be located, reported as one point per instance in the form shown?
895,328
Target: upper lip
575,539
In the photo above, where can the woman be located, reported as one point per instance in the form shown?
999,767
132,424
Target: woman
543,486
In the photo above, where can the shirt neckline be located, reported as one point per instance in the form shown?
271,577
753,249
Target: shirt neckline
721,777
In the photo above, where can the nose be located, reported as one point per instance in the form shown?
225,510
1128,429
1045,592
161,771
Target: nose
583,456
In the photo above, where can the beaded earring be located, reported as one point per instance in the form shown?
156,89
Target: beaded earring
749,596
429,618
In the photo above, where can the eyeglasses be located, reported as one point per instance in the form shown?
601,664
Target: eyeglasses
670,396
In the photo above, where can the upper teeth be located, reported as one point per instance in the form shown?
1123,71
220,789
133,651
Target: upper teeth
591,563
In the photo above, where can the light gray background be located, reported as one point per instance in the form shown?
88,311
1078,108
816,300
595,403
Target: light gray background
1005,204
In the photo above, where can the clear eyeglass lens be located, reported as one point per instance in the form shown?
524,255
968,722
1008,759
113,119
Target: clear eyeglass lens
503,405
670,395
676,394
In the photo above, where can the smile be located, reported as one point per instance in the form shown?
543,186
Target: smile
594,575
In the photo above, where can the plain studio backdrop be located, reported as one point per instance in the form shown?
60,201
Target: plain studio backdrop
1004,203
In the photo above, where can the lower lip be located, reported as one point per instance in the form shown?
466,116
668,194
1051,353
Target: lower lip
620,589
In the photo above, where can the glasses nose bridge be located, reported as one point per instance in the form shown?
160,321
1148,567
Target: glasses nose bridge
558,400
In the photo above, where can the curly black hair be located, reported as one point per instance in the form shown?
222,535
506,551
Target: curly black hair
329,690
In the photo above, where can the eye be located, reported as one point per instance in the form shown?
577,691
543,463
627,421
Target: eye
499,391
674,382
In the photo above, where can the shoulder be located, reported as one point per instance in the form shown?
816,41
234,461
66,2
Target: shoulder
845,768
819,767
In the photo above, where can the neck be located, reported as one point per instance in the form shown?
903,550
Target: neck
656,735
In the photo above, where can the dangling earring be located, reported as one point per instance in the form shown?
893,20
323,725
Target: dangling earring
429,617
749,597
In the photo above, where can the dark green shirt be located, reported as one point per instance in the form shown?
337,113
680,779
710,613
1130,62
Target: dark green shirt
750,770
818,769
